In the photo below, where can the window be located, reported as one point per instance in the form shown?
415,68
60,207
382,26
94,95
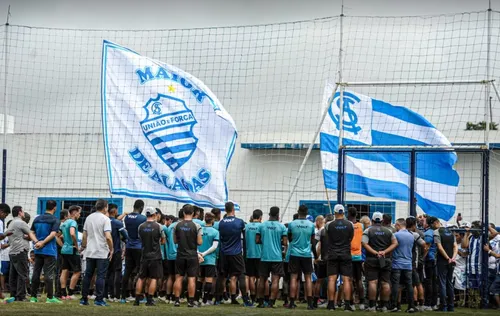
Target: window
363,207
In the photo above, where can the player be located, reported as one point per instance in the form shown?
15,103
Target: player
207,250
151,266
357,255
187,236
272,235
70,255
114,275
253,252
301,235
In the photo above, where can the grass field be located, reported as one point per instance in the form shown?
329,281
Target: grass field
73,309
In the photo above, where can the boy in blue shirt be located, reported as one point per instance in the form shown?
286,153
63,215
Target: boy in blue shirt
172,256
69,252
253,252
208,251
114,275
430,282
272,235
301,236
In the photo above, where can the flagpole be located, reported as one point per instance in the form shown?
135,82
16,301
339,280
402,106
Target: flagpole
340,168
487,85
308,153
5,100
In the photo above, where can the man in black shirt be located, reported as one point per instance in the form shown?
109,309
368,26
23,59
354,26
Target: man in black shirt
340,233
151,266
322,249
188,236
379,242
447,250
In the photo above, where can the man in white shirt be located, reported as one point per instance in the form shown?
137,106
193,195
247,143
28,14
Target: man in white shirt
98,245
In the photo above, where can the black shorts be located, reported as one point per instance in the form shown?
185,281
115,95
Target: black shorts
298,265
164,263
321,270
208,271
72,263
275,268
133,260
415,278
171,267
151,269
286,277
341,266
357,270
116,262
187,267
232,265
252,267
373,270
420,271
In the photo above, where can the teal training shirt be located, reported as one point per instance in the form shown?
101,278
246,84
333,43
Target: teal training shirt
254,250
172,247
210,235
67,248
271,234
301,231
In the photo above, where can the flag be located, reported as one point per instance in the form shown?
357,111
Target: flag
373,122
166,135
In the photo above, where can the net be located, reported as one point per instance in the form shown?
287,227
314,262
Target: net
270,78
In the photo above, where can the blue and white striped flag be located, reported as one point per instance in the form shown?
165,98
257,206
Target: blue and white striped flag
166,135
373,122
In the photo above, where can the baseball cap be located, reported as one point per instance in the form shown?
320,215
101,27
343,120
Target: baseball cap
339,208
465,225
310,218
149,211
377,217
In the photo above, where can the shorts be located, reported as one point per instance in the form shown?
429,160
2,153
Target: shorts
374,272
133,260
171,267
342,266
252,267
4,270
151,269
164,263
421,274
298,265
321,270
232,265
415,278
208,271
187,267
286,277
357,271
275,268
495,286
71,263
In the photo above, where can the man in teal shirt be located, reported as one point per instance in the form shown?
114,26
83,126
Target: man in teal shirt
207,250
70,255
301,237
271,235
253,251
172,256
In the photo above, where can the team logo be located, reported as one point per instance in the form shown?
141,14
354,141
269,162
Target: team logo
168,126
350,100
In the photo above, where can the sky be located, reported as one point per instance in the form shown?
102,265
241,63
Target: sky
156,14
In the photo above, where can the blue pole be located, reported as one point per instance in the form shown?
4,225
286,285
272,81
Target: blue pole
413,173
485,220
340,177
4,175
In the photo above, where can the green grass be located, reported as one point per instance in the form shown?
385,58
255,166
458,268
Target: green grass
73,309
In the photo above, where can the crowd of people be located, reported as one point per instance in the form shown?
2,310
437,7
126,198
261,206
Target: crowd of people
203,259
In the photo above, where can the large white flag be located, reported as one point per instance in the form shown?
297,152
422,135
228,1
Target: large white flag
166,134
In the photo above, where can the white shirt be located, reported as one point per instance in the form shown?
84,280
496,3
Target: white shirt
495,247
96,225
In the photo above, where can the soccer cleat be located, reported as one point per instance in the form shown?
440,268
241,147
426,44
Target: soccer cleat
150,303
349,308
123,301
33,300
192,305
248,304
130,299
361,307
177,304
393,310
53,300
9,300
410,310
427,309
92,297
101,303
372,309
136,303
84,302
162,299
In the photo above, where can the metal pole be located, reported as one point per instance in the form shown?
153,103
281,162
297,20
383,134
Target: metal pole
5,100
340,168
328,200
412,83
487,117
413,175
340,177
308,153
485,220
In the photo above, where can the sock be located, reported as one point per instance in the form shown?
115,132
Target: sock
71,291
383,304
253,297
371,303
233,297
177,299
309,301
272,302
171,297
260,300
91,292
245,299
137,299
149,298
347,303
64,292
421,302
315,301
292,301
191,300
266,298
331,304
208,292
218,297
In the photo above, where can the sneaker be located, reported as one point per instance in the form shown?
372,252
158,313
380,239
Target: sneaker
384,309
9,300
292,306
426,309
248,304
310,308
451,309
136,303
123,301
372,309
350,308
101,303
92,297
393,310
130,299
144,300
84,302
192,305
410,310
53,300
361,307
235,303
435,308
33,300
162,299
177,304
217,303
261,306
71,297
183,300
152,303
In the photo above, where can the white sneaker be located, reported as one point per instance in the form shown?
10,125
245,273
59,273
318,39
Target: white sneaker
71,297
435,308
162,299
183,300
372,309
361,307
426,308
92,297
130,299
